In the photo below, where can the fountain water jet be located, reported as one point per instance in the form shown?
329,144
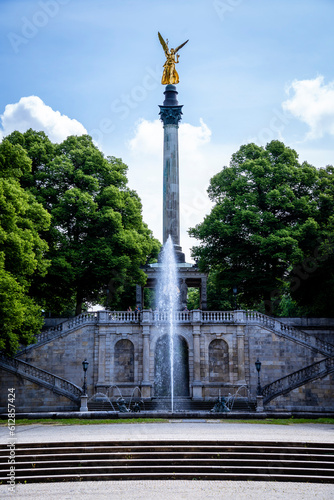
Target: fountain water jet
167,305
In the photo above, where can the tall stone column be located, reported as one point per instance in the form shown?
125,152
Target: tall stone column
170,114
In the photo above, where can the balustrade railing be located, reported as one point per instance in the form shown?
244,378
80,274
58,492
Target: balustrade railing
290,332
120,316
217,316
42,377
164,317
296,379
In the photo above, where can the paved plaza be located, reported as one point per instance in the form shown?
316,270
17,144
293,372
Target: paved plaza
170,490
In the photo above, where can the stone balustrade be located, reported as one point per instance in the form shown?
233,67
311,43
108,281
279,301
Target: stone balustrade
198,317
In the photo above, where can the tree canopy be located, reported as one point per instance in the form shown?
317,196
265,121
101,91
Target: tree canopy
23,221
271,214
97,240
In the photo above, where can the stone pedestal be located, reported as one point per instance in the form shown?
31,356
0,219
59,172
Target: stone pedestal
146,390
259,403
83,406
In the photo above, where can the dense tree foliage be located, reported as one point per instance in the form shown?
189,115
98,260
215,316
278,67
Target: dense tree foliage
22,250
269,232
97,240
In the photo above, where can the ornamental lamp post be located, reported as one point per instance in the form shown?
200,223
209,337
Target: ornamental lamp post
235,291
85,367
258,369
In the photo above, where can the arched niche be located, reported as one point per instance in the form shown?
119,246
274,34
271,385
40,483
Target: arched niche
124,361
162,367
218,361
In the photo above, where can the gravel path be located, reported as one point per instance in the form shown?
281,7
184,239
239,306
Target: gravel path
199,430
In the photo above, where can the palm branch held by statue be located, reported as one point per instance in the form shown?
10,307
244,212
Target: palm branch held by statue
170,75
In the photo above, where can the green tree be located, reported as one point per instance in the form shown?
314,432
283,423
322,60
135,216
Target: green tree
22,250
265,222
97,240
312,279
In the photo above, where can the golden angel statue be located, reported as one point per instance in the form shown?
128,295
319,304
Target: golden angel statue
170,74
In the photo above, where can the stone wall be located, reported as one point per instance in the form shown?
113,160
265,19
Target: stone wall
123,354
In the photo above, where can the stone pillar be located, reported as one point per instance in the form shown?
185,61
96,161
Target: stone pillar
101,359
197,384
259,403
183,294
203,294
241,355
170,114
146,384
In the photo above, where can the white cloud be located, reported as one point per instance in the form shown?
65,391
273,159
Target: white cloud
31,112
313,104
198,163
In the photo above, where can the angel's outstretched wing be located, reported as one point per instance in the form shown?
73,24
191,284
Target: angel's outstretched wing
180,46
163,43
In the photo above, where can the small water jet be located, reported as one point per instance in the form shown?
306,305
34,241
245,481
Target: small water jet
100,400
231,398
138,405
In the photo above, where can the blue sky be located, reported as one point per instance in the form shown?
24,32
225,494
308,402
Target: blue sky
252,71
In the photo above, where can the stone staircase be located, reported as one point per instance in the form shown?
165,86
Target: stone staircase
41,377
320,369
298,378
151,460
288,332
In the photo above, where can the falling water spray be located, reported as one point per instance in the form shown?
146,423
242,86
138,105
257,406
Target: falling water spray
167,304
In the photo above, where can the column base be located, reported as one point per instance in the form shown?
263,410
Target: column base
197,390
180,257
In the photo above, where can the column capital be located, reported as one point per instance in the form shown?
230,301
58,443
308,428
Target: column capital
170,115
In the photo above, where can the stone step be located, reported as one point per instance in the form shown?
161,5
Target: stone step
154,405
215,460
35,463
